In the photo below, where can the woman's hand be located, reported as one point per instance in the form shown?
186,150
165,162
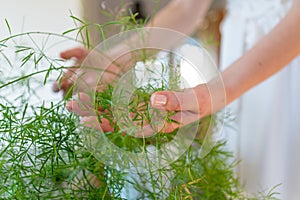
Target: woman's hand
91,68
188,106
67,80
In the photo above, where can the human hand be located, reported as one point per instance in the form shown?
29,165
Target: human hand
83,106
87,67
188,106
67,80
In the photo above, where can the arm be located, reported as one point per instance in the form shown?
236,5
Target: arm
270,55
181,15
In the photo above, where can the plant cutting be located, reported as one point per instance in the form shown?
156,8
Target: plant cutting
45,155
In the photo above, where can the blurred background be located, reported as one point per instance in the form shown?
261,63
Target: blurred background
54,16
34,15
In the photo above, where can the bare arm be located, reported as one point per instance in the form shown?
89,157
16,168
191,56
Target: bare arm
270,55
181,15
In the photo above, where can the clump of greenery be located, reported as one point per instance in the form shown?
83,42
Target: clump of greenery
42,153
43,157
189,177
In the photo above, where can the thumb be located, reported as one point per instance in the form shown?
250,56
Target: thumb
79,53
175,101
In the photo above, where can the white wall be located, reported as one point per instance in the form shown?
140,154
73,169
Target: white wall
38,15
42,16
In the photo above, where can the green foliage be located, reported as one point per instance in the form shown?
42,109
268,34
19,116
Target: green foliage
43,157
42,154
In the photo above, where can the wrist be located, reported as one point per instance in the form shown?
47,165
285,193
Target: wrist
212,97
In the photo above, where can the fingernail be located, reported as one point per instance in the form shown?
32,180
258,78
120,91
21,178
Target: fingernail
69,105
55,87
158,100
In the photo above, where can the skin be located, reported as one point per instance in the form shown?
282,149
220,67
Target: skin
252,68
258,64
162,19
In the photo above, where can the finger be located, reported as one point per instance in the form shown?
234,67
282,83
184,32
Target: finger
163,127
184,118
174,101
87,100
64,85
55,86
66,81
79,109
82,105
93,122
146,131
79,53
178,120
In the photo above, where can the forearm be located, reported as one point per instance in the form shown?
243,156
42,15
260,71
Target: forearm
183,16
166,30
270,55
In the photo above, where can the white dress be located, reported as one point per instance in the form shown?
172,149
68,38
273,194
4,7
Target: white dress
266,137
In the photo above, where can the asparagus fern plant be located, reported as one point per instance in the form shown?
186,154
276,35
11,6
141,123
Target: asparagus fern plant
42,153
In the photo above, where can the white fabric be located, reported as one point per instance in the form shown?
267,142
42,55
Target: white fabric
266,137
